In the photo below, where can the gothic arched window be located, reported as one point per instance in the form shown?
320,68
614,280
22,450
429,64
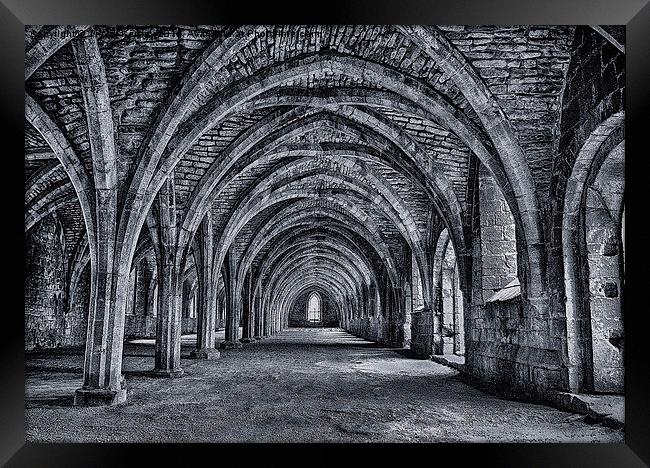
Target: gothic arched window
314,308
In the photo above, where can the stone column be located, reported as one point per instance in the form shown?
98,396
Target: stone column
221,307
103,383
168,331
437,325
151,295
259,316
247,312
206,335
459,325
187,299
274,319
233,305
130,298
142,290
266,320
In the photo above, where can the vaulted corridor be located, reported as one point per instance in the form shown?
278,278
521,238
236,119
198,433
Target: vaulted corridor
205,205
303,385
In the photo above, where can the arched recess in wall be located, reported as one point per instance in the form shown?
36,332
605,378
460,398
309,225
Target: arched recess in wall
499,241
592,242
140,311
453,333
45,313
449,308
591,125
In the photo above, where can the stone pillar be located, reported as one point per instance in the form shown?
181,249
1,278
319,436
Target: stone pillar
103,383
438,343
275,321
448,302
395,336
233,305
259,316
247,311
133,285
142,289
186,301
168,330
266,320
206,335
151,295
271,313
221,301
459,319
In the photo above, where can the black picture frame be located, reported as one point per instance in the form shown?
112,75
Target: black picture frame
635,14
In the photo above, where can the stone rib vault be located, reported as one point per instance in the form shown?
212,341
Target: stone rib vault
453,190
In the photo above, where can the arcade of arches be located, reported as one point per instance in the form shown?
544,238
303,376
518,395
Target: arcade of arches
456,191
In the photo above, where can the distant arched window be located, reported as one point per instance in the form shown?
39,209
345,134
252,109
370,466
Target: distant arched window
314,308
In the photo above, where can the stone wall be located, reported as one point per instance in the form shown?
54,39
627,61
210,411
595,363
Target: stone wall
498,242
47,322
603,220
76,325
508,347
594,92
392,324
509,351
298,313
422,333
141,326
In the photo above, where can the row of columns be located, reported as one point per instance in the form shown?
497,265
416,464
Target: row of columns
244,308
113,209
168,332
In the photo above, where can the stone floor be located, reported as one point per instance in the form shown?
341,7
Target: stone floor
302,385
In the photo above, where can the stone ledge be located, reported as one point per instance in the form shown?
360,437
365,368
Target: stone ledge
608,410
450,360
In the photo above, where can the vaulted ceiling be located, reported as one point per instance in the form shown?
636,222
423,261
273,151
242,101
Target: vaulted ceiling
325,153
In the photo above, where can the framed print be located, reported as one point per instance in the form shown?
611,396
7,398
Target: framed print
394,224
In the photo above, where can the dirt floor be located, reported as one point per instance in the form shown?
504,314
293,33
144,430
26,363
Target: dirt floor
303,385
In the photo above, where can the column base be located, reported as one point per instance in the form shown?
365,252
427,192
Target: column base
171,374
205,353
99,397
247,340
257,338
230,344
